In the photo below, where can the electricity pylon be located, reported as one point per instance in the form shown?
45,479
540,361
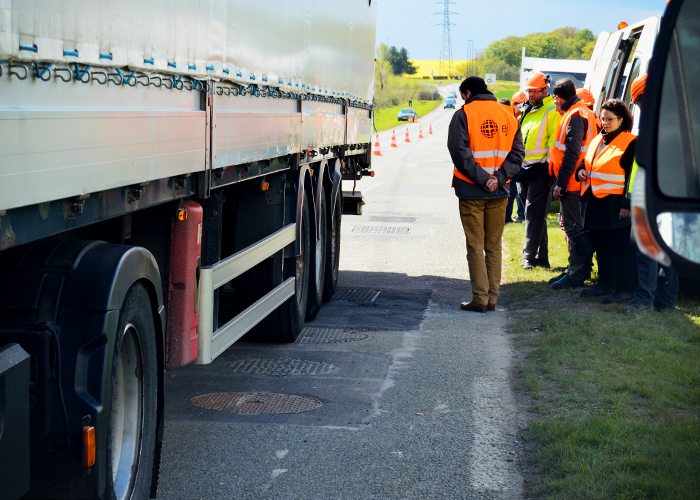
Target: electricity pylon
446,50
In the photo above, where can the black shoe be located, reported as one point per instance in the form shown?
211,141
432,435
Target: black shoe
617,298
557,278
595,291
567,282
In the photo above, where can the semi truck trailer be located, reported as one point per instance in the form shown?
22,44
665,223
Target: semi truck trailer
170,180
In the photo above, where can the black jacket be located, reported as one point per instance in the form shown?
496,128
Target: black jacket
575,132
463,160
604,213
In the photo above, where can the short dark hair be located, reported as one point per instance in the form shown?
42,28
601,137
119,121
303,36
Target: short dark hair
619,109
504,101
473,84
564,88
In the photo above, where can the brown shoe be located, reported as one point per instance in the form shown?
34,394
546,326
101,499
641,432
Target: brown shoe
491,306
473,307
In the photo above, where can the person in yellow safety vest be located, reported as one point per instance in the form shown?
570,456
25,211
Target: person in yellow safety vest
486,147
538,124
657,285
605,209
574,133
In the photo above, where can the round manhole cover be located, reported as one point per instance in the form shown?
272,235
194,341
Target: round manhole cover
281,367
255,403
329,336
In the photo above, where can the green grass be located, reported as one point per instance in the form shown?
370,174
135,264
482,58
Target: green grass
384,119
617,398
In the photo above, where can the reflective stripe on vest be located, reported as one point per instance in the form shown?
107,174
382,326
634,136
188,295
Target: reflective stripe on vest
492,128
605,174
537,145
557,154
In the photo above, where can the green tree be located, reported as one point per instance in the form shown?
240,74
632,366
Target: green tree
397,59
581,47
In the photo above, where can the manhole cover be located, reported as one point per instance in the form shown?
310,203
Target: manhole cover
356,295
383,218
281,367
255,403
381,230
329,336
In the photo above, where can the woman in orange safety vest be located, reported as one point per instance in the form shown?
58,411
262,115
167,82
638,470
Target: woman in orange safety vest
605,209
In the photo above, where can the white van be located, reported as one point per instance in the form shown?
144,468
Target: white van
618,58
556,68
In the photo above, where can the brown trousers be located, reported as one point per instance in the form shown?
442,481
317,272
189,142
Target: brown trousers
483,222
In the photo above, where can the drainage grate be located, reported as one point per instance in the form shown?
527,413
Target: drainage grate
329,336
383,218
281,367
395,214
356,295
381,230
255,403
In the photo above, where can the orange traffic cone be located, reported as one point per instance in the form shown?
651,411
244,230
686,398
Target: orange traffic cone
393,139
407,139
430,130
420,133
376,147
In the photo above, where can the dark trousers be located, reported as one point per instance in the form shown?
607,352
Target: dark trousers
654,288
617,267
570,213
511,201
535,193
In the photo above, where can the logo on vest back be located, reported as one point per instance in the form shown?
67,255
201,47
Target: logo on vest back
489,129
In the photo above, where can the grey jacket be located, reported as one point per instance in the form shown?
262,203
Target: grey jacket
463,160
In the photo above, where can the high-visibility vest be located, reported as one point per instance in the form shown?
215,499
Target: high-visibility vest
606,175
556,155
538,128
492,128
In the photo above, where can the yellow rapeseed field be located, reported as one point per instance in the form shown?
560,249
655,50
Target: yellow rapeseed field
425,66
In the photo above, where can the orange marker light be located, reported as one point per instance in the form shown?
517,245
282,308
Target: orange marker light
88,446
264,186
371,173
622,25
181,214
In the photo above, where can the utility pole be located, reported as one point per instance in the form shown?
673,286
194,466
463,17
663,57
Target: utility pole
446,51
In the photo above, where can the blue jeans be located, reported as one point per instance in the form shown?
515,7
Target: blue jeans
511,199
654,289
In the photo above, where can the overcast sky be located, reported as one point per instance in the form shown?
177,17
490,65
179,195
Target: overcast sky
414,24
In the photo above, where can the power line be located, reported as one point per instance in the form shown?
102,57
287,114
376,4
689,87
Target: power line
446,50
413,22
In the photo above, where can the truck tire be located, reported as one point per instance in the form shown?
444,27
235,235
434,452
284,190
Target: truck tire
333,251
317,270
133,413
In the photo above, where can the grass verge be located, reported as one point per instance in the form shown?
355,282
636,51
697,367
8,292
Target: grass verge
616,398
384,119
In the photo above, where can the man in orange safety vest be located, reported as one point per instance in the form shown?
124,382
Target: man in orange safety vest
571,139
486,147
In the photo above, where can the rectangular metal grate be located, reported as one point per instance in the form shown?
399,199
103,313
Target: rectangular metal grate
396,214
356,295
381,218
381,230
329,336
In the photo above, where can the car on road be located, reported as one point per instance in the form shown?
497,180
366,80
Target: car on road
407,113
452,95
449,103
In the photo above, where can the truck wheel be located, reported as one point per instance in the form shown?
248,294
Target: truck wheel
292,312
333,251
133,412
318,264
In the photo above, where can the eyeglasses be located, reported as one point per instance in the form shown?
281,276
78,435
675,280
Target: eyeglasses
534,91
608,120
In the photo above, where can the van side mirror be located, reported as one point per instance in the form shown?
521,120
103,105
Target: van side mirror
666,195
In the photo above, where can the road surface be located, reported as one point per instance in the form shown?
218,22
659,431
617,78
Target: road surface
415,394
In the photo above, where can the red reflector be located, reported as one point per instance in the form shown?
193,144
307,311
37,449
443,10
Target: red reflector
371,173
88,446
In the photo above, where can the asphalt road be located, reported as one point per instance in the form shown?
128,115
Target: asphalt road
415,403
